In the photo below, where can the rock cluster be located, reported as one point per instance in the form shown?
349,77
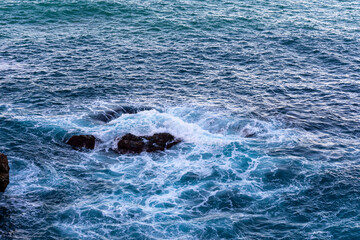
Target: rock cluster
129,143
4,172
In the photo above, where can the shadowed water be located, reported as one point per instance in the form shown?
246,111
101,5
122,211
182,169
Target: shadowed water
284,73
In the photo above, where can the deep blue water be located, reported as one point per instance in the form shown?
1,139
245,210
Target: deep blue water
288,71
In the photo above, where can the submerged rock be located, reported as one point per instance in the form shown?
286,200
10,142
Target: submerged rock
107,116
4,172
189,177
130,143
248,133
82,141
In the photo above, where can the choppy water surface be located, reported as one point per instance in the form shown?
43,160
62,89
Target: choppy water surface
206,71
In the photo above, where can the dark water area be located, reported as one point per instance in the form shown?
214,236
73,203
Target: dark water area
286,73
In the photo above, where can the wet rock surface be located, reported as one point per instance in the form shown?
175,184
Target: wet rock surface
130,143
82,141
4,172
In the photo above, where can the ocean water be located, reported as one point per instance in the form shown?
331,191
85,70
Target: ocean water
208,72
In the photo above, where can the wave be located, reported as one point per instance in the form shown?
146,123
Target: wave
210,177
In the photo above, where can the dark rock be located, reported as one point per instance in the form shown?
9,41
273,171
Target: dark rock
4,172
160,141
82,141
130,143
107,116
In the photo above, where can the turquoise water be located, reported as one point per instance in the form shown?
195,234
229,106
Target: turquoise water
205,71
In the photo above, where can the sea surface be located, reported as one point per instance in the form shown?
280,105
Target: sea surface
285,73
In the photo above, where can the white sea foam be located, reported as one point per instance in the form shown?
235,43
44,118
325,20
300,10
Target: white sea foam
214,150
201,150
